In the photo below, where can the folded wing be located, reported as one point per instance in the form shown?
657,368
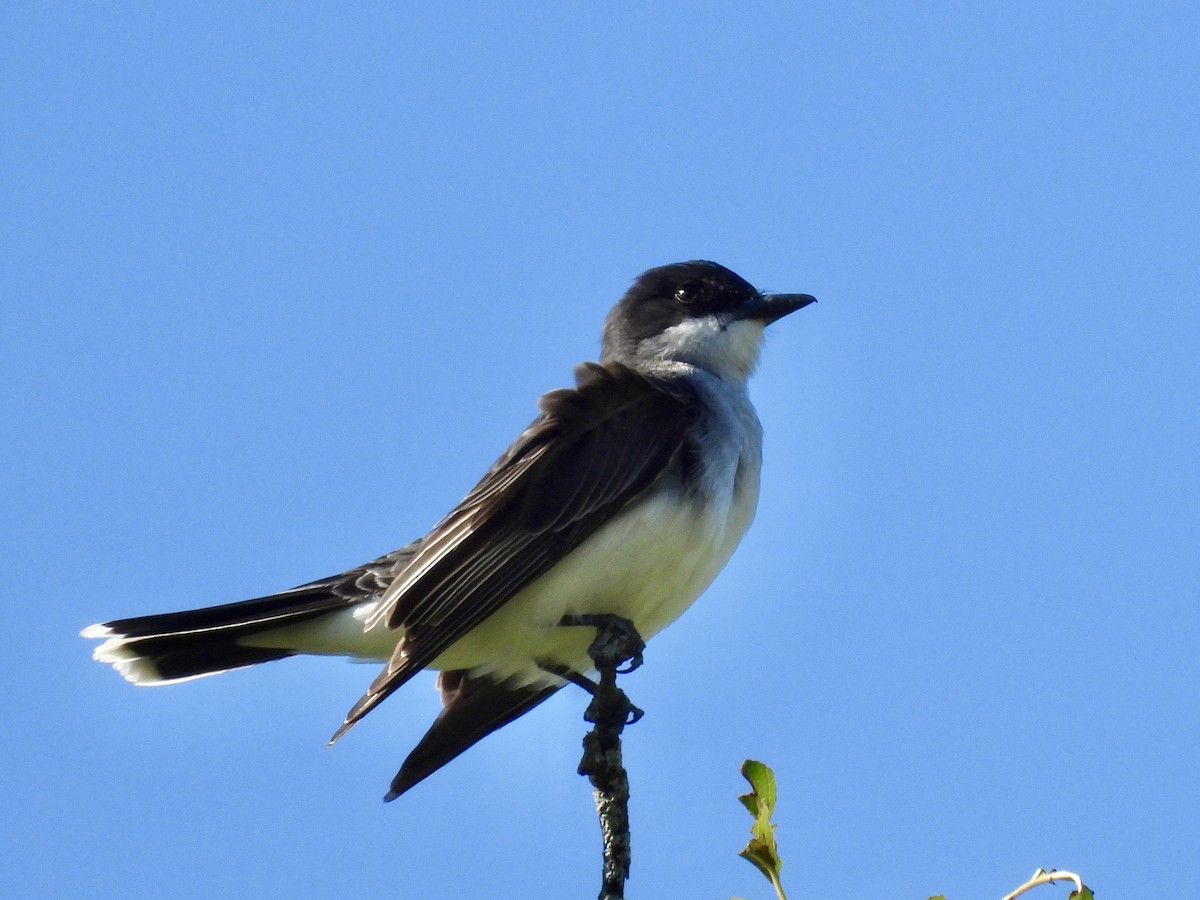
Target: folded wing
593,449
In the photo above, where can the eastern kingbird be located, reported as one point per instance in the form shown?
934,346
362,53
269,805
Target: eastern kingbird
625,496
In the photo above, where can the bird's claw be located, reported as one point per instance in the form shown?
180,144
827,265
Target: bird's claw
617,642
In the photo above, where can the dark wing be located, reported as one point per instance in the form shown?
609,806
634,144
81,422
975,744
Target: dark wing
592,450
472,708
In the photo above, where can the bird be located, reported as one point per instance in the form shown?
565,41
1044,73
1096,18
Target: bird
625,497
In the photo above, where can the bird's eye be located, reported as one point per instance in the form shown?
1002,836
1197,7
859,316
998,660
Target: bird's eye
688,294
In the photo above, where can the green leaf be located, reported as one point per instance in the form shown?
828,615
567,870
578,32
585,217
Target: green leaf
762,851
1085,894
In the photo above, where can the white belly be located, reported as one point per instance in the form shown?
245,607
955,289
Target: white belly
648,566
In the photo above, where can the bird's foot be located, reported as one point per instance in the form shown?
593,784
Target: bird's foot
617,644
607,700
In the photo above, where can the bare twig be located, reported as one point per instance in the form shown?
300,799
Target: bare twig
1041,876
617,643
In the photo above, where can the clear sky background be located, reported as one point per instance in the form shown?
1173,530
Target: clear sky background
278,283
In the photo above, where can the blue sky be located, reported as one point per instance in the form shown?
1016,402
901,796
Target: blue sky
263,263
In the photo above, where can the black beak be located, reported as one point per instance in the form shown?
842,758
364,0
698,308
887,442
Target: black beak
768,308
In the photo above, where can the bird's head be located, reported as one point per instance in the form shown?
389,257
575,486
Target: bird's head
697,312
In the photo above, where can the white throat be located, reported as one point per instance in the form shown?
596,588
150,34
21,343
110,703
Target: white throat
727,349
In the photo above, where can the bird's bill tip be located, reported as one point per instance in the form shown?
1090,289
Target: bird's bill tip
768,308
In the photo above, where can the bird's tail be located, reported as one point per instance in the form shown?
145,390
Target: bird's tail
178,646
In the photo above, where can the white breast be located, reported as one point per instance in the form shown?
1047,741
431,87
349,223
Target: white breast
648,565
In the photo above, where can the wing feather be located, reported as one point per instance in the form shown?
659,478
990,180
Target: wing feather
593,449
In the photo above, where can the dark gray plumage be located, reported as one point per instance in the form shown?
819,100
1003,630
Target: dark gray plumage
626,495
